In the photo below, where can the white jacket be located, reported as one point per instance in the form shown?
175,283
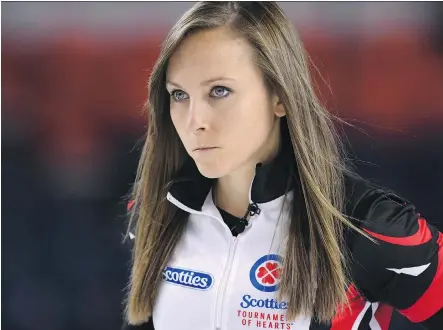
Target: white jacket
217,281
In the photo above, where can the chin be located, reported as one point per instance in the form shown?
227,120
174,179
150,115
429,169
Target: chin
211,171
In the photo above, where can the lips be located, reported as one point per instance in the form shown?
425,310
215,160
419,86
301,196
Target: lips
205,148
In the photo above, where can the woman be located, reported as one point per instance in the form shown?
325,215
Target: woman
245,214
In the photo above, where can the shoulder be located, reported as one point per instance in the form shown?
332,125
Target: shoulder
365,200
385,215
381,212
404,243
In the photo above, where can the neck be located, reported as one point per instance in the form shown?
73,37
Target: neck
231,192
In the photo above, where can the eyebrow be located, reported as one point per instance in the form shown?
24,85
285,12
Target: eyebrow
206,82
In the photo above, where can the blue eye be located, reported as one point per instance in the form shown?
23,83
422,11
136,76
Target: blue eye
220,91
179,95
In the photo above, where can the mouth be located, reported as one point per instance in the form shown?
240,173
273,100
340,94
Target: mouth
204,149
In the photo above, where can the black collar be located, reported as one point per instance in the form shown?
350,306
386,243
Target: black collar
271,180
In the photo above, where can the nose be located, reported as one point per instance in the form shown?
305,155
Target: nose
198,117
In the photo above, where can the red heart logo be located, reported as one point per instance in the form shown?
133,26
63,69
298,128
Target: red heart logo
268,279
262,271
277,273
269,273
271,266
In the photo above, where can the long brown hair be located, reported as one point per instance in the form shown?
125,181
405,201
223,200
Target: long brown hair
314,277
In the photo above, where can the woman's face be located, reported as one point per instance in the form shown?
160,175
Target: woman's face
220,106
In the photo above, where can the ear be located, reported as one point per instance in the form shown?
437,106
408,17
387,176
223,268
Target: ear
279,109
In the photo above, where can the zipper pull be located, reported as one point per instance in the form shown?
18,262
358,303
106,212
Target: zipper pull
253,209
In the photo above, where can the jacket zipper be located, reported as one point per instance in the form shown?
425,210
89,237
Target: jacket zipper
223,284
253,209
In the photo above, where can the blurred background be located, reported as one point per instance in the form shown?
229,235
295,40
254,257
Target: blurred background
74,79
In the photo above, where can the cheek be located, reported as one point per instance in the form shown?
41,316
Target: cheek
179,123
178,118
249,130
253,119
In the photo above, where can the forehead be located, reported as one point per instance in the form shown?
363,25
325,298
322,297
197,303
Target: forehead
208,54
